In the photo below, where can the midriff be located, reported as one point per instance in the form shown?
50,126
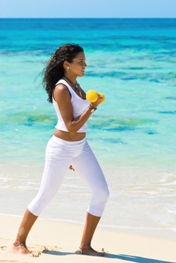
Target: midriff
69,137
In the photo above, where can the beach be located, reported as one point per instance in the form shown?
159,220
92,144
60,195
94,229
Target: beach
132,134
54,241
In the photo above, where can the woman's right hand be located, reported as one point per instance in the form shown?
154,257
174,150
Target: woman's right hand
97,102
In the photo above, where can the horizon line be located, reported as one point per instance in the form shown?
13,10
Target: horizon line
87,17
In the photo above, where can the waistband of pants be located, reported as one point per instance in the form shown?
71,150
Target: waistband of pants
64,142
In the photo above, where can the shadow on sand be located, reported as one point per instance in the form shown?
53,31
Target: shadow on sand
128,258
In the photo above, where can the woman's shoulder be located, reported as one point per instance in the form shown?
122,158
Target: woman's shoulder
61,90
63,85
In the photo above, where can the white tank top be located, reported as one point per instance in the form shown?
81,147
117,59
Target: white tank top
79,106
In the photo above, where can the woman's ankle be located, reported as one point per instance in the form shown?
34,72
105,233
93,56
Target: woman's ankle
19,243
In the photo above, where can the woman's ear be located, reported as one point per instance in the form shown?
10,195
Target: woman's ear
66,65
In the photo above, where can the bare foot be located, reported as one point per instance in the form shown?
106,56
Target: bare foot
20,249
88,250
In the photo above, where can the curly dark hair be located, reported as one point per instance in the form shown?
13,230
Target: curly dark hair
54,69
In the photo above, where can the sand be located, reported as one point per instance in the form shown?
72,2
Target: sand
55,241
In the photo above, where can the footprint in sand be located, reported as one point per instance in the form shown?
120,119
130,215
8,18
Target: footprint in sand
4,248
44,249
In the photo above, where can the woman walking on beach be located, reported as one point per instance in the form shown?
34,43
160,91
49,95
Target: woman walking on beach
68,146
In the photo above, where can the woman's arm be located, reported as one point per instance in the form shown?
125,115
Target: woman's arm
63,99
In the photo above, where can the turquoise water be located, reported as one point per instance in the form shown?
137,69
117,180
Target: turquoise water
132,61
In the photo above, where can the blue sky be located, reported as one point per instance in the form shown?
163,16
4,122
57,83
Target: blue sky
87,8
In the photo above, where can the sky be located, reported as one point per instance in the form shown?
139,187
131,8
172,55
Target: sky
87,8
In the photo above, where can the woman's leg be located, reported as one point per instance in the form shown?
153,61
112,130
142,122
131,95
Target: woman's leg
87,166
91,223
19,246
56,165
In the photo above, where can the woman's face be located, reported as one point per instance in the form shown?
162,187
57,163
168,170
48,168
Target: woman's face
78,65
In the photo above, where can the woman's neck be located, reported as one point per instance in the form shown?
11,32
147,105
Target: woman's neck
72,79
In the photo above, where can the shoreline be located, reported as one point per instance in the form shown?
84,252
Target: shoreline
107,227
56,241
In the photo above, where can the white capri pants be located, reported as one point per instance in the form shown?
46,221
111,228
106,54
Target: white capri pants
59,155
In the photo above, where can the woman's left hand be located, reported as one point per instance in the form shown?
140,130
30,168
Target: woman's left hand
71,168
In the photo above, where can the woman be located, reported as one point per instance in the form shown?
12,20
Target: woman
68,146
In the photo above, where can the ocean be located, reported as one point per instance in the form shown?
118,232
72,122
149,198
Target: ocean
133,134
